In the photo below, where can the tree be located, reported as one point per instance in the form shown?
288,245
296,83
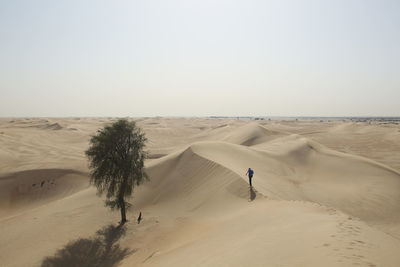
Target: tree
116,162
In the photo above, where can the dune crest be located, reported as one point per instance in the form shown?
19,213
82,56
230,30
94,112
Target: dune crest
187,181
300,170
252,134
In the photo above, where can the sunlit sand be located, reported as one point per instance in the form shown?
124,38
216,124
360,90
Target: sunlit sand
325,193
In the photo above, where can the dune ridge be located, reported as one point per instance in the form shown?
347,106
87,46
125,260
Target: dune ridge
293,172
283,180
308,171
187,175
252,134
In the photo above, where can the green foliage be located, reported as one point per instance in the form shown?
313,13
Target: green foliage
116,161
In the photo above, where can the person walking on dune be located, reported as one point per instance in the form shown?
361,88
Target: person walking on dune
250,173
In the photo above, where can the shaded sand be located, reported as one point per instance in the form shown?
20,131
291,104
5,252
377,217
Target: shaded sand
25,190
325,194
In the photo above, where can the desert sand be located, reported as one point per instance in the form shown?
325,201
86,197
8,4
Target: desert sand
326,193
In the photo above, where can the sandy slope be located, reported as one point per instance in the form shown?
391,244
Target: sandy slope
26,190
311,206
271,233
252,134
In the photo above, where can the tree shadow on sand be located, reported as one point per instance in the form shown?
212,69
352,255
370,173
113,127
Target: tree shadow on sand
252,194
101,250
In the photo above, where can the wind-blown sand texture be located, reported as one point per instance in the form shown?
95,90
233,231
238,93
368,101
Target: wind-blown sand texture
326,193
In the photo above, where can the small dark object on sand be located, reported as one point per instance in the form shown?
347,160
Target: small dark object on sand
139,218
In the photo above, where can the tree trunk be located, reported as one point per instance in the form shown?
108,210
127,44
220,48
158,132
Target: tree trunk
123,212
122,200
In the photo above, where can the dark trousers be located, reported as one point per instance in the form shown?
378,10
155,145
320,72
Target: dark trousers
250,177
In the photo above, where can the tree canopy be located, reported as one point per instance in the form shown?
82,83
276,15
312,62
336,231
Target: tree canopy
116,162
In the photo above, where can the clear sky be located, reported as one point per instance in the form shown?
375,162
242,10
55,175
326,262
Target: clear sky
199,58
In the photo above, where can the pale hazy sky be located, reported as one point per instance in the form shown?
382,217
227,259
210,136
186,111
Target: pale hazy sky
199,58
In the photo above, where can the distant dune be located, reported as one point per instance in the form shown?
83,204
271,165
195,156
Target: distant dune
325,194
253,134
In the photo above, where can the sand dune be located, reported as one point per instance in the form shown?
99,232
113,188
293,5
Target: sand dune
206,182
311,205
43,124
299,170
28,189
189,176
252,134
